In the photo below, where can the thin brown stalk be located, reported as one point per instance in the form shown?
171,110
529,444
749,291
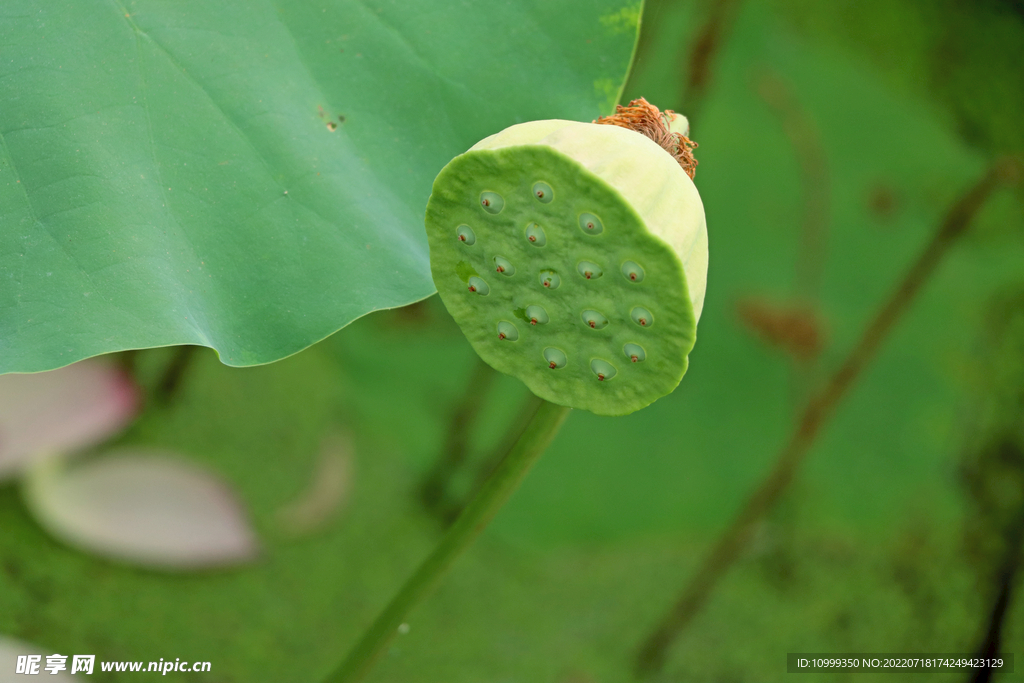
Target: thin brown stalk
821,407
991,644
170,381
453,455
127,360
803,135
451,511
700,58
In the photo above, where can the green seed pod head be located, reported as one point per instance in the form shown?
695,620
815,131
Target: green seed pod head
599,309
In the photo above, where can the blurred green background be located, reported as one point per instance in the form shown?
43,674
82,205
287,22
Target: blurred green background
833,138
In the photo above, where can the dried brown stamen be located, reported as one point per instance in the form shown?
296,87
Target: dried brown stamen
643,117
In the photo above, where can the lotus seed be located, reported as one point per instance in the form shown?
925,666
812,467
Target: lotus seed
537,315
632,271
535,235
466,234
542,191
635,353
603,369
591,224
504,266
554,357
642,317
492,202
594,319
590,271
478,286
549,279
507,331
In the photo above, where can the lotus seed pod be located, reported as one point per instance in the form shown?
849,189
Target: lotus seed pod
590,242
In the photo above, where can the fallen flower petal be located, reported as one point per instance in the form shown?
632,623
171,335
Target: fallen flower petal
152,509
328,489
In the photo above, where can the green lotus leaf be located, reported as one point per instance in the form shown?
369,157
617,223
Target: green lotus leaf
252,176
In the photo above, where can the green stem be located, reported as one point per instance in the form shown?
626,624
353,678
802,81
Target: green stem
473,520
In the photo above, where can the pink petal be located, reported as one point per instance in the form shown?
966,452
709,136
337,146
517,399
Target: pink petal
150,508
61,411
